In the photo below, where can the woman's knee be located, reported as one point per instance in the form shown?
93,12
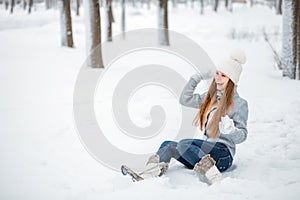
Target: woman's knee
168,143
184,145
185,142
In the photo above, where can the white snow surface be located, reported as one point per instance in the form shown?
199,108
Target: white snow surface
42,156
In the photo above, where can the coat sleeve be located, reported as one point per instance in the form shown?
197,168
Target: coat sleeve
188,98
239,118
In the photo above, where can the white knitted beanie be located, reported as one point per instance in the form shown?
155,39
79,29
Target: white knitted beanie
232,66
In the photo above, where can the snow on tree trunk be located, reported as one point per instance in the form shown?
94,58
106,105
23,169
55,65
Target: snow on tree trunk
163,22
287,39
296,38
93,34
290,46
123,18
65,23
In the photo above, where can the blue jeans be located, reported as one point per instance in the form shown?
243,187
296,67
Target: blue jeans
190,151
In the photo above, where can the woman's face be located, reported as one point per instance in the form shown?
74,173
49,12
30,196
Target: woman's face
221,80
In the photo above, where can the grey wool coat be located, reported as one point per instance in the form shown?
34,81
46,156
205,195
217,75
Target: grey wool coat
239,115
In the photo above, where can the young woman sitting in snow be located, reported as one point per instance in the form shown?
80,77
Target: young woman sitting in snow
222,115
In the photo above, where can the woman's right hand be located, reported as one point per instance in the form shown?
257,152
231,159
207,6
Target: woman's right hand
197,77
203,76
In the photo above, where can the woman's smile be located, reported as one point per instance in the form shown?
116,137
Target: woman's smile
221,80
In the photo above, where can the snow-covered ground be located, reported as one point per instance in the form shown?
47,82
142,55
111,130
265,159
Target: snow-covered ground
41,154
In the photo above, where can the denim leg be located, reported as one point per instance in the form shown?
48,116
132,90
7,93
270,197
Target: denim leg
222,156
192,150
168,150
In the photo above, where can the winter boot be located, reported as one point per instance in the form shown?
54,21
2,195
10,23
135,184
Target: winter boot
206,168
153,168
134,175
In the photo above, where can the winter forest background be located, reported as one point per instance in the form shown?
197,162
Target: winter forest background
44,44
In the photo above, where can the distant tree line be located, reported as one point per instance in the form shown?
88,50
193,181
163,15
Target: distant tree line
215,4
288,61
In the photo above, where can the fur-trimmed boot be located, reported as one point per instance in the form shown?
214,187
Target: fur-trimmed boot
206,168
153,168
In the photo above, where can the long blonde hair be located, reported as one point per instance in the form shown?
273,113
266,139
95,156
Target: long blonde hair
224,105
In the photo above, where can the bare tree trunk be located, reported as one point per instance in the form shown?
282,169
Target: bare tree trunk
93,34
166,24
30,3
202,7
216,5
163,22
110,19
279,7
48,4
66,23
226,4
51,4
24,4
229,5
77,7
12,5
123,18
6,4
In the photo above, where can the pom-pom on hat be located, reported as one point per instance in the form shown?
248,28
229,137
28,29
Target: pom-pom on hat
232,66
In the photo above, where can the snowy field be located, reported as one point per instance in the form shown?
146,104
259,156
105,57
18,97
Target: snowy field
42,156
